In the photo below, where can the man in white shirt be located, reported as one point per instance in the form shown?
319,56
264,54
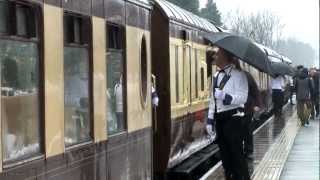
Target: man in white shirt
277,85
227,111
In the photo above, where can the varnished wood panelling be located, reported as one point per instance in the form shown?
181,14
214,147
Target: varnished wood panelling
54,83
138,116
99,78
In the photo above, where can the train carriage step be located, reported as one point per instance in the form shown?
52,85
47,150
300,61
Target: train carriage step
196,165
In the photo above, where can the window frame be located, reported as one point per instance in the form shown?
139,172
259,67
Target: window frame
88,47
34,8
38,40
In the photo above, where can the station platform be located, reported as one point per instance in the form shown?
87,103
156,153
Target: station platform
282,150
303,160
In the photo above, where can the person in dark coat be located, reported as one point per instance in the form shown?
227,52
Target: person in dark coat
304,90
315,76
252,105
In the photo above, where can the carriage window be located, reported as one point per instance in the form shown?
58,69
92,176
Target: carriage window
115,80
196,71
21,16
115,37
18,19
176,58
143,70
76,30
4,13
202,79
20,100
76,88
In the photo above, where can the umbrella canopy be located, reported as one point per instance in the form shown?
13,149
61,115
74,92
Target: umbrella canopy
241,47
282,69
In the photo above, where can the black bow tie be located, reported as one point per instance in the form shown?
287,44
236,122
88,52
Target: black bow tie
222,71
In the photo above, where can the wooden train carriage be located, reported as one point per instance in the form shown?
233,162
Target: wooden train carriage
180,67
75,89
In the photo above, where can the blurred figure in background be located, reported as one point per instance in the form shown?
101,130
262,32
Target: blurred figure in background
277,85
304,90
291,83
315,76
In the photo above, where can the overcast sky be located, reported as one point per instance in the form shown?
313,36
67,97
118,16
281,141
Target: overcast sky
301,18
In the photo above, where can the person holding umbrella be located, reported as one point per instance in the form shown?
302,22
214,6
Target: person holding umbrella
230,92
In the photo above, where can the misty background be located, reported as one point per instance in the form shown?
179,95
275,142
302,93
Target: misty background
290,27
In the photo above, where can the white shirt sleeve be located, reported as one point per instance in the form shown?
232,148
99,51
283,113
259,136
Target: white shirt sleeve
211,107
240,89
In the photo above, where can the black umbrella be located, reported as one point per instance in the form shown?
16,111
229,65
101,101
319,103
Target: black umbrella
242,48
281,69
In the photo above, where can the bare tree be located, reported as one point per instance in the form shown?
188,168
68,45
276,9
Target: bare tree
263,27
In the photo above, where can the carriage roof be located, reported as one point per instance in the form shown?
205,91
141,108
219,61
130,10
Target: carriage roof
180,15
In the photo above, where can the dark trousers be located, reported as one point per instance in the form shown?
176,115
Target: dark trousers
229,134
291,94
277,99
315,102
247,133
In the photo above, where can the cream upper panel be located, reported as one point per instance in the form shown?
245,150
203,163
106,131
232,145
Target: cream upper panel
99,78
187,51
54,82
139,117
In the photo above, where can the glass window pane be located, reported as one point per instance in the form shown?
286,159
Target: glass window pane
176,54
143,69
115,92
21,14
76,95
19,99
77,27
202,79
196,71
115,37
3,16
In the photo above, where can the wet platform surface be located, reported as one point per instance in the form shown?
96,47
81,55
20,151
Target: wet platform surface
264,138
303,160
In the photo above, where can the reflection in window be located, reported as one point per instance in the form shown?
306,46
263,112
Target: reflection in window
76,95
19,99
115,81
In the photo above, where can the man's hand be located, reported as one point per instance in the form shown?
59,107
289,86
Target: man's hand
219,94
212,134
256,108
209,129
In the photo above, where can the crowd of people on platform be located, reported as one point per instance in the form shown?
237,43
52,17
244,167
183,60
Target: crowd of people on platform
306,86
235,97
